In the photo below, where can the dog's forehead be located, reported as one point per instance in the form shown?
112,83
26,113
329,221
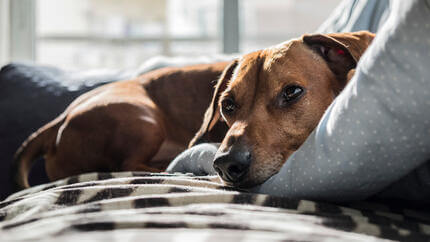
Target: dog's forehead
266,64
278,54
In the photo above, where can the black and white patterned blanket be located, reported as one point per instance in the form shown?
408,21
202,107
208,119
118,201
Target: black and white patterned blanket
138,206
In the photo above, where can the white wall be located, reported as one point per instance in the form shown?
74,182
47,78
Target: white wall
4,32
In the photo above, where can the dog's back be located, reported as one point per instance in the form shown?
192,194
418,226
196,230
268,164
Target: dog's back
122,125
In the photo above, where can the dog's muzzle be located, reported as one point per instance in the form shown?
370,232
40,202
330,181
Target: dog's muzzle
232,166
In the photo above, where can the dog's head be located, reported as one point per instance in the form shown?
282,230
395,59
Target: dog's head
272,99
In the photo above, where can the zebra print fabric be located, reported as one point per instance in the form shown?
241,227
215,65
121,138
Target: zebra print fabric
131,206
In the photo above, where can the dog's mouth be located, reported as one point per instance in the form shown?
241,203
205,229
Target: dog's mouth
240,185
244,183
249,180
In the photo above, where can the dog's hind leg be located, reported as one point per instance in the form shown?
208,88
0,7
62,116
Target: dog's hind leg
147,140
107,138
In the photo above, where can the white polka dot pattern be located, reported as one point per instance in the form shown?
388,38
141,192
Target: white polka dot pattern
378,130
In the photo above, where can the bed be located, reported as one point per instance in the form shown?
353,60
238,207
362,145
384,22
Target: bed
131,206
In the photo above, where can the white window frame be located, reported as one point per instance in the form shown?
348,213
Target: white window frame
22,30
4,32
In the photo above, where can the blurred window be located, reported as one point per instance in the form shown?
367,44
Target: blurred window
120,34
117,33
269,22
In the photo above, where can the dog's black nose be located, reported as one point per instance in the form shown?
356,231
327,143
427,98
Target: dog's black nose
233,165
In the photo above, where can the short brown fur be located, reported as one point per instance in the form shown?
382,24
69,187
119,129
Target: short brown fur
321,64
138,124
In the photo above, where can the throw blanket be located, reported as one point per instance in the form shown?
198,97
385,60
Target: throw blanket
183,207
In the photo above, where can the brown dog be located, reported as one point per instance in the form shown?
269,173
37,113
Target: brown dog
272,100
138,124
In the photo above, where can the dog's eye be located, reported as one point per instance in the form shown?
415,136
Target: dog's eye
228,106
290,94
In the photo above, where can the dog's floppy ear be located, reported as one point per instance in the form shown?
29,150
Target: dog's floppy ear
341,50
213,129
